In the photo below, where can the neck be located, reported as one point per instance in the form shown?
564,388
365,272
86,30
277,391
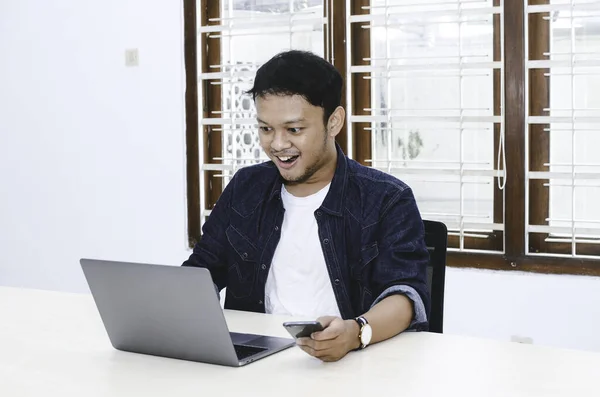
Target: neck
318,181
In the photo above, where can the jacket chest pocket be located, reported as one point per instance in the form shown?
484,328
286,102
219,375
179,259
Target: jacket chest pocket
368,253
242,269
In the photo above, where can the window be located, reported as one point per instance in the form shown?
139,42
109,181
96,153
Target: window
564,127
436,110
246,34
487,111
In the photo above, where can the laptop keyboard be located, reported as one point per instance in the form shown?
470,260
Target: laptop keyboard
244,351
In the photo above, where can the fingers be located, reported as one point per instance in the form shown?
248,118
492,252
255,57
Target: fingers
316,353
326,320
326,355
334,329
313,344
330,359
325,345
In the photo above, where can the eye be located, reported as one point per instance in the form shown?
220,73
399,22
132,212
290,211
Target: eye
262,128
294,130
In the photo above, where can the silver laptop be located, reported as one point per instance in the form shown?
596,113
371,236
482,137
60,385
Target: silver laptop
170,311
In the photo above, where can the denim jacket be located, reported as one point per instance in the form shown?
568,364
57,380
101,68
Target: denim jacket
369,225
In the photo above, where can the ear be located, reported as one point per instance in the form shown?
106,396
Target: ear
336,121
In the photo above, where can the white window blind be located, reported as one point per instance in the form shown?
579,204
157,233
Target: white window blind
433,114
572,122
250,33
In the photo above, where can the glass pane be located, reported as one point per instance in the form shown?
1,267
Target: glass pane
257,30
561,203
434,83
586,207
575,94
561,2
561,147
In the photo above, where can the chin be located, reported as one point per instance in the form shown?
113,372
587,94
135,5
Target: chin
291,179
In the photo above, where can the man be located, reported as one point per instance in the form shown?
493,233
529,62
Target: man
312,233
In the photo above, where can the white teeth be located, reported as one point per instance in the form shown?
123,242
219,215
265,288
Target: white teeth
284,158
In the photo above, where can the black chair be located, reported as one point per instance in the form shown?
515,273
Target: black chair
436,239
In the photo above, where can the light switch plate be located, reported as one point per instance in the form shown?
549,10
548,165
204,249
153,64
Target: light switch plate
132,57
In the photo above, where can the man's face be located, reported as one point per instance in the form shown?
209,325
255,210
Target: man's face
293,135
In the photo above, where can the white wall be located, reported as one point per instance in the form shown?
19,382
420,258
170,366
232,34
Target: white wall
553,310
92,152
92,164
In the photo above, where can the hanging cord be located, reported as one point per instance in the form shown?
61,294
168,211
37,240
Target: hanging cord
502,152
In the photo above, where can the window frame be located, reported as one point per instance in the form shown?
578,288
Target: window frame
539,100
206,140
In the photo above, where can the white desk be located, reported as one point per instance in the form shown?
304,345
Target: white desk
54,344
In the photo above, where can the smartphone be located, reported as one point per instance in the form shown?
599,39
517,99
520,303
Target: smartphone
303,329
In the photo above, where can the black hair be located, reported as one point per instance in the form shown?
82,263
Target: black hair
300,73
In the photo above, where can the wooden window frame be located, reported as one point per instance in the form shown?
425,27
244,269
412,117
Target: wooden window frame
539,153
514,257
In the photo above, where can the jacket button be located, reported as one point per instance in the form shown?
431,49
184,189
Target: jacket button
263,266
276,228
319,213
245,255
336,281
326,241
260,302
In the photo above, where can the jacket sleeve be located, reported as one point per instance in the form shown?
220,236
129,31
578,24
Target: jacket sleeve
210,251
403,257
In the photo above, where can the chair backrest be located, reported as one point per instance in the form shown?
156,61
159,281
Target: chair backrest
436,239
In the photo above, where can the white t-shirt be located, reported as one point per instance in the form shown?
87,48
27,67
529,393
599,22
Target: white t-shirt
298,283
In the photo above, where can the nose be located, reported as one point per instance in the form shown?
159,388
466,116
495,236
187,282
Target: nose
280,141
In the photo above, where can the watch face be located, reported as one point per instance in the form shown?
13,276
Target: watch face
366,334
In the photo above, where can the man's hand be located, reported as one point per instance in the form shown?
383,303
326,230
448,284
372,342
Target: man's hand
334,342
387,318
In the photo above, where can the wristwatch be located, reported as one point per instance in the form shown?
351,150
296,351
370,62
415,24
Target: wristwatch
365,333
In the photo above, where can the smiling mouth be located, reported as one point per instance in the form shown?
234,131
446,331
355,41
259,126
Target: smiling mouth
287,159
286,162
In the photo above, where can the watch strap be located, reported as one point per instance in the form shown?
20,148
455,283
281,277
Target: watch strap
361,324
